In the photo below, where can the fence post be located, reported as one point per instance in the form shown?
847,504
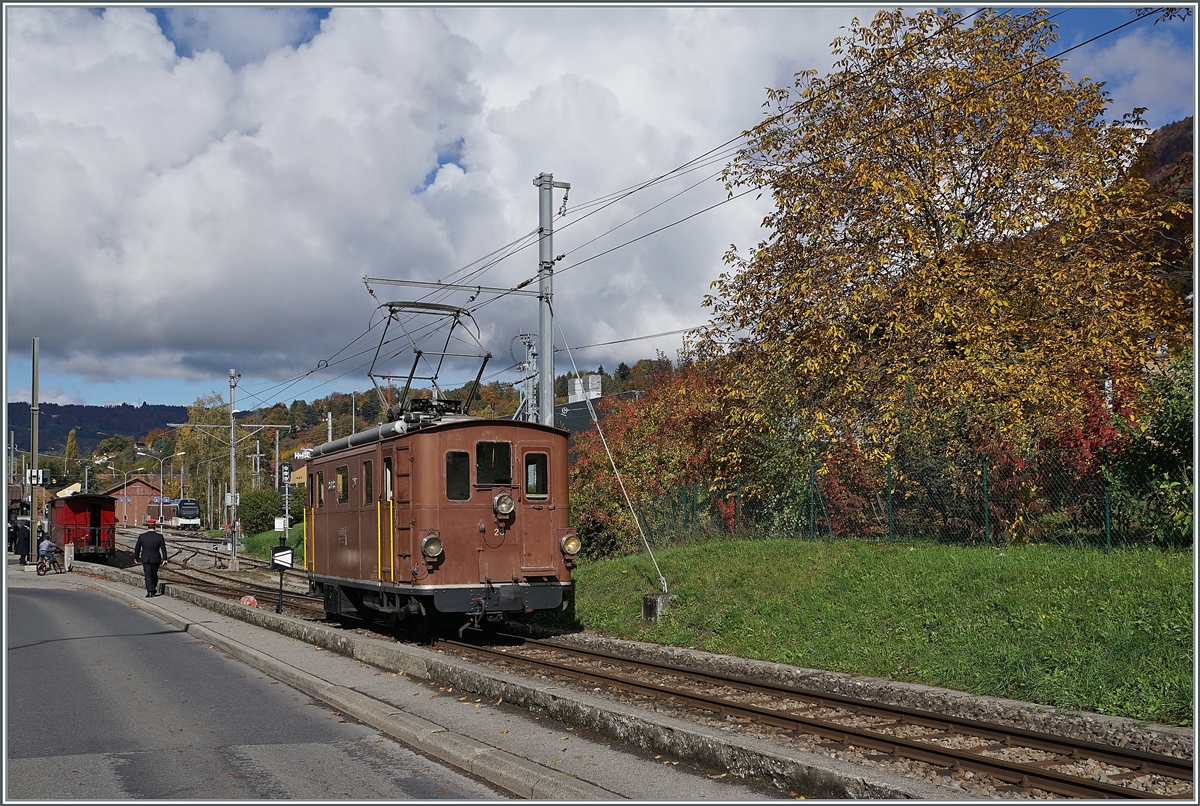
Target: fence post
695,495
1107,507
737,506
646,525
825,512
986,505
812,499
891,533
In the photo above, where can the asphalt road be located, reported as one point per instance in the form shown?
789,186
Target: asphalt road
107,702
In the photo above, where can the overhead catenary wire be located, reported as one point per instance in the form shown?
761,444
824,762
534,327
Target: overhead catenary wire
877,134
713,155
513,247
710,156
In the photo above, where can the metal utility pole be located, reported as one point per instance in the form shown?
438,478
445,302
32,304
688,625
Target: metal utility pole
528,370
233,502
256,456
546,184
33,431
353,412
277,459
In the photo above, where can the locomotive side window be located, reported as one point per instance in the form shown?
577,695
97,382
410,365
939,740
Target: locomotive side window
458,475
387,478
343,484
537,482
368,482
320,488
310,490
493,463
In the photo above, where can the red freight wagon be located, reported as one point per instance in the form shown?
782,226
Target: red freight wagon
87,522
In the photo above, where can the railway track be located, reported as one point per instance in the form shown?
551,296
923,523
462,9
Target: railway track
303,605
1019,760
184,547
190,547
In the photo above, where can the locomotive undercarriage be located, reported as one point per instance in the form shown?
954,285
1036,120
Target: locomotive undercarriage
466,606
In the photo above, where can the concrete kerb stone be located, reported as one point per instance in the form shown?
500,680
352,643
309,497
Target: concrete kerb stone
742,756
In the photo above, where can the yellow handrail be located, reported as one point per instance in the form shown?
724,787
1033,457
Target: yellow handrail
392,534
378,542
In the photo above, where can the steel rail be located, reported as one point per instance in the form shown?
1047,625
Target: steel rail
1152,763
1023,775
190,578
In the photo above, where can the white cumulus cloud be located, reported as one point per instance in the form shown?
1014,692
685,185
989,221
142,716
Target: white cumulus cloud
208,193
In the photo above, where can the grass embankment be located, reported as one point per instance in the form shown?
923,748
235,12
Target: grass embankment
1066,627
259,545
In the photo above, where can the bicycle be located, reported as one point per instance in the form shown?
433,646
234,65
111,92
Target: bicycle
46,564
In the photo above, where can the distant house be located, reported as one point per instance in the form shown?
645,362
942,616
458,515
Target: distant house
133,496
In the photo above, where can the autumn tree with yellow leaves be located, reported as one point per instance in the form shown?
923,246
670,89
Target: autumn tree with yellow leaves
962,244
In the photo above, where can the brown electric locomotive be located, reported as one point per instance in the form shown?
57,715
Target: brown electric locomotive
439,516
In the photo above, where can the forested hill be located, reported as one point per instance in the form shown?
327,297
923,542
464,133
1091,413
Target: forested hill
92,424
1166,146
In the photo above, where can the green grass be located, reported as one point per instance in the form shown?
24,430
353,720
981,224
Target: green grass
259,545
1067,627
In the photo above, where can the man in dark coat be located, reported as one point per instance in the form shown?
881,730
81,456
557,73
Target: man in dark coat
150,550
22,541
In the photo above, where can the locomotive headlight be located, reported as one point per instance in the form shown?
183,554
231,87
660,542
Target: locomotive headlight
431,547
504,504
570,545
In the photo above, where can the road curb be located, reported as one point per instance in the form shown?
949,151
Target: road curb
816,776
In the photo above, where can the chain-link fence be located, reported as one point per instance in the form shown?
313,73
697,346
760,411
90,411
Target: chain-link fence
984,500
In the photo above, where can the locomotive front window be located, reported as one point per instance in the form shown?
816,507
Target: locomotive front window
320,488
458,475
368,482
310,490
537,483
387,478
493,463
343,484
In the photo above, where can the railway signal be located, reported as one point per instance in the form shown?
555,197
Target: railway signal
281,560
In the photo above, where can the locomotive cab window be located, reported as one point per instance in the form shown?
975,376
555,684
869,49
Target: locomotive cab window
387,478
343,484
320,488
458,475
310,490
368,482
493,463
537,483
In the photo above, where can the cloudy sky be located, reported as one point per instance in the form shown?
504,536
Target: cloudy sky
194,189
